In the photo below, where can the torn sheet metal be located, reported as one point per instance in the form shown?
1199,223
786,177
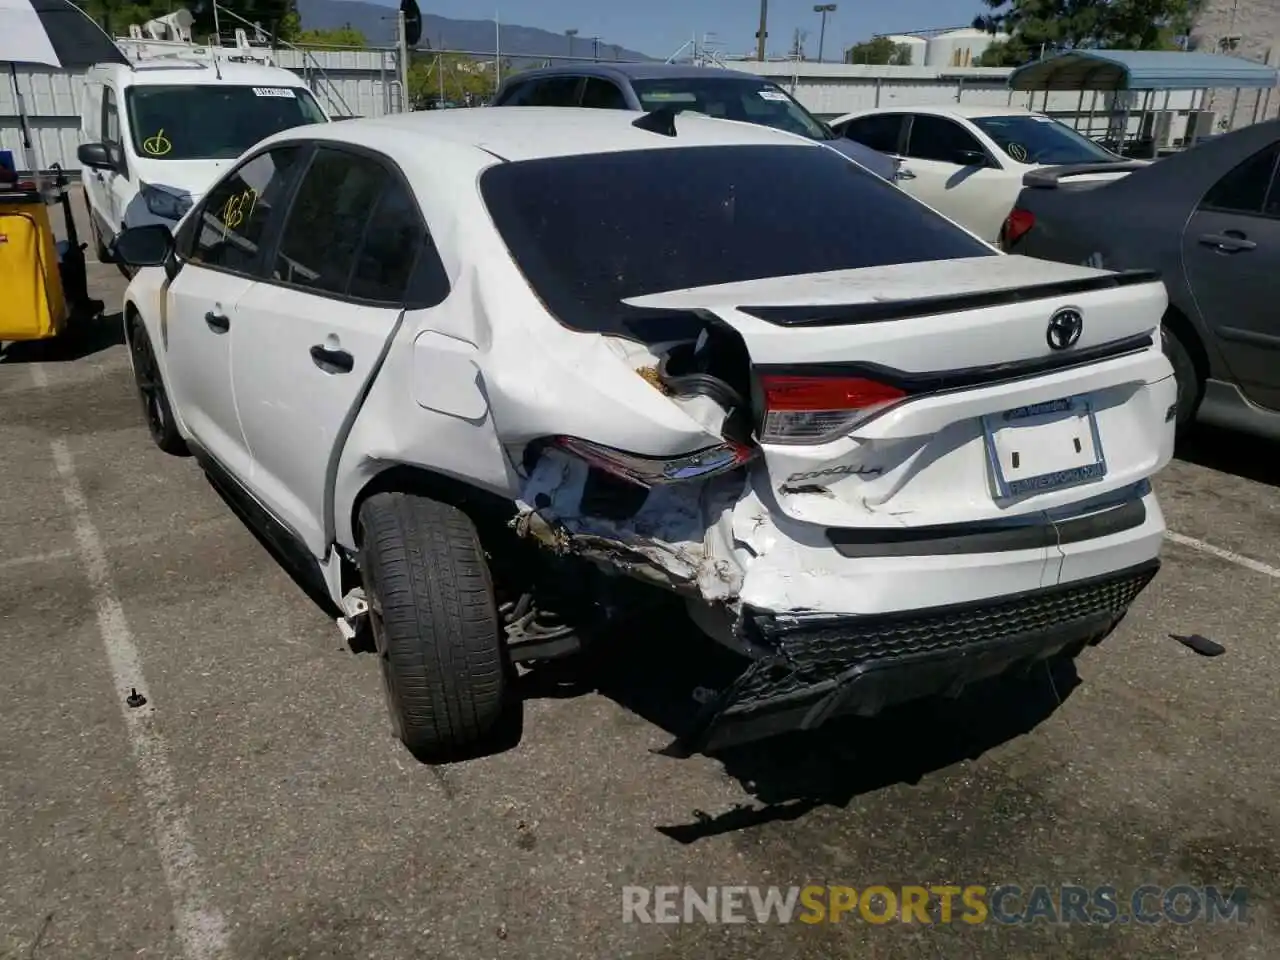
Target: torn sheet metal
666,541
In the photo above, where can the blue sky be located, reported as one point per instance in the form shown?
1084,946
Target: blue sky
658,27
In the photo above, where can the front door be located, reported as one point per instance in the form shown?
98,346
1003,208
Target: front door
948,169
205,299
1231,251
112,185
310,336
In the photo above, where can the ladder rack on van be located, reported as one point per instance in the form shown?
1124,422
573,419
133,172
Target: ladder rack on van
146,50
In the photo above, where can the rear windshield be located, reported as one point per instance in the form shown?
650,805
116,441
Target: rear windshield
590,231
1032,139
212,121
732,98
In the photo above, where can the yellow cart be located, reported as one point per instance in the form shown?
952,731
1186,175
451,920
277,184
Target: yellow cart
43,281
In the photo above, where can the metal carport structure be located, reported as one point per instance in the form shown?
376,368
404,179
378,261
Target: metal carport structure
1145,71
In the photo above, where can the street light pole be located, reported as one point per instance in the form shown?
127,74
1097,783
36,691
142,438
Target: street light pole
823,9
763,32
571,34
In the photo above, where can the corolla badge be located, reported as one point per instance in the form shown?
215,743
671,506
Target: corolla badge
1065,327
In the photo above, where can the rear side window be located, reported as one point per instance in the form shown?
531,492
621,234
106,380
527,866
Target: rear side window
327,221
1244,189
591,231
882,132
235,214
603,95
547,92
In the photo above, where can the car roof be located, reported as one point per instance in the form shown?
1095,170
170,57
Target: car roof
619,70
174,71
530,133
967,111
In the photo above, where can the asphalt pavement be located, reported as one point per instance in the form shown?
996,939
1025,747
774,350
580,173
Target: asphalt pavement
257,806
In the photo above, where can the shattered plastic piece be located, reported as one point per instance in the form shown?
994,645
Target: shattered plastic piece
135,699
1201,645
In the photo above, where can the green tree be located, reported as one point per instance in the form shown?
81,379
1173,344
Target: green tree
345,36
454,76
1051,26
879,51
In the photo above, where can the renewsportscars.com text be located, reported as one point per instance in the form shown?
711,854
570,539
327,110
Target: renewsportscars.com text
935,904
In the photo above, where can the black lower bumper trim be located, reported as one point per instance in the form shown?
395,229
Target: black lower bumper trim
827,666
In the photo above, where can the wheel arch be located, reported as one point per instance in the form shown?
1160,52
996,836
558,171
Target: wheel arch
482,506
1182,327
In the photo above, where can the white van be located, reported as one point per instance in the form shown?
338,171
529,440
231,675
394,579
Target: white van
154,136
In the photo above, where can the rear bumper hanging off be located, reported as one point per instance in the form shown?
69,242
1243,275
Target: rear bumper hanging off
818,666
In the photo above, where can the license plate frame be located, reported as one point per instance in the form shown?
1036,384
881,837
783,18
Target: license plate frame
1042,414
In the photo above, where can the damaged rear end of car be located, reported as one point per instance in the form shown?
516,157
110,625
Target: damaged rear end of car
878,467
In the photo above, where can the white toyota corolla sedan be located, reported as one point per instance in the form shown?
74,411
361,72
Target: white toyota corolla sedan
469,370
968,161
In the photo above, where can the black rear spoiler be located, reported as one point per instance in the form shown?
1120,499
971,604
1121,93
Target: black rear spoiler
1048,177
880,311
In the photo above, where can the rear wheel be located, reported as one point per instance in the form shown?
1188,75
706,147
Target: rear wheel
435,624
151,391
1187,377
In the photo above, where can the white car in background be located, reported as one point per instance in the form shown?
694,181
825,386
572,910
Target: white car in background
470,370
967,162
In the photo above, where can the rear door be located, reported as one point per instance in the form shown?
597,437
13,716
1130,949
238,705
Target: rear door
354,249
1231,251
950,170
221,248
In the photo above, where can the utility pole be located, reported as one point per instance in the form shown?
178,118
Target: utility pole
763,33
823,9
402,57
497,53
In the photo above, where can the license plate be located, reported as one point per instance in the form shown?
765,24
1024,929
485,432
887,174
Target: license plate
1044,446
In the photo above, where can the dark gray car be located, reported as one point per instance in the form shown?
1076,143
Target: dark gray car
710,90
1209,220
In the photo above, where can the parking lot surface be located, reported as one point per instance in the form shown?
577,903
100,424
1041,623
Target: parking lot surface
257,806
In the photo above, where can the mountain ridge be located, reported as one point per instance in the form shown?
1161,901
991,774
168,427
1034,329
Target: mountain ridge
377,23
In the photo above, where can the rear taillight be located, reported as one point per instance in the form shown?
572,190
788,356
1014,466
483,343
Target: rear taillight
654,471
818,409
1016,225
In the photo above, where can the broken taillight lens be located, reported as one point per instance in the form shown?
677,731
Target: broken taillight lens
818,409
1016,225
653,471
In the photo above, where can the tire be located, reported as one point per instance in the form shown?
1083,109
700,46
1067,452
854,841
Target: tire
151,391
435,625
1186,376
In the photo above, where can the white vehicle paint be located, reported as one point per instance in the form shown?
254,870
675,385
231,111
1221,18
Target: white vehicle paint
967,162
843,433
170,126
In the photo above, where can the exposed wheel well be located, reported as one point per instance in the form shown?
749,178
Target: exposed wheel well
1186,333
488,511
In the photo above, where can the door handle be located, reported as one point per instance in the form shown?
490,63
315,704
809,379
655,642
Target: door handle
1229,242
904,174
218,322
332,360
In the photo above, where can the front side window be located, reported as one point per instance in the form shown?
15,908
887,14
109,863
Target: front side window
231,222
110,118
732,98
1042,140
1244,189
591,231
942,140
213,121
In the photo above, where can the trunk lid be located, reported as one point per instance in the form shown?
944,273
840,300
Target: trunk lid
957,386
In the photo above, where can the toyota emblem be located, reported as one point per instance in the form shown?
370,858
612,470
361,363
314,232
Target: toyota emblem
1065,327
